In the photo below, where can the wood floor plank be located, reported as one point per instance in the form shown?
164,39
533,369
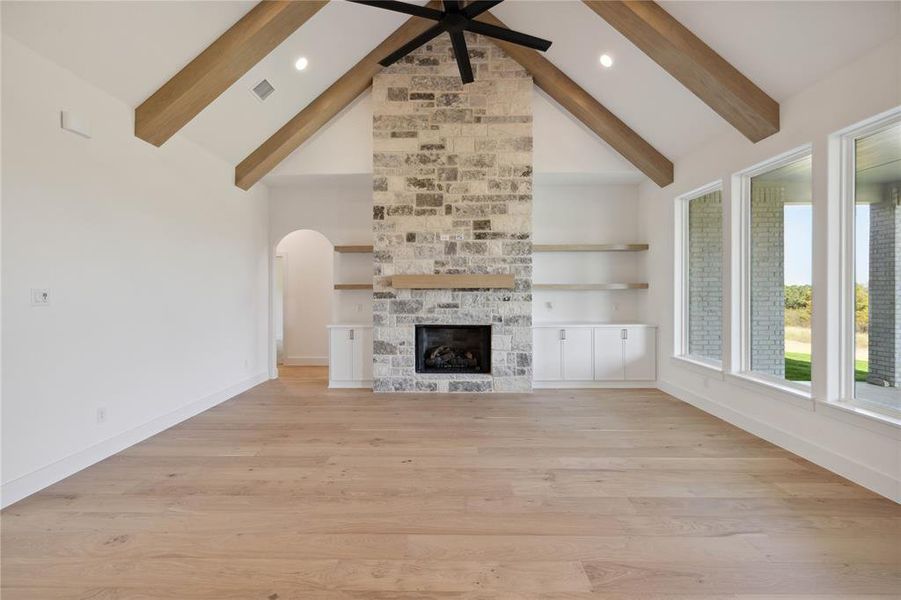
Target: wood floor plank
761,578
294,491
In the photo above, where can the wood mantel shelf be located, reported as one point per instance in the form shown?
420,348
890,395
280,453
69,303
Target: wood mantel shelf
443,282
589,247
355,249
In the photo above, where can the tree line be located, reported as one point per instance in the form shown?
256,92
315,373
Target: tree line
799,301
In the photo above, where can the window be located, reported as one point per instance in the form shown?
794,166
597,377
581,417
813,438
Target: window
701,223
872,200
777,291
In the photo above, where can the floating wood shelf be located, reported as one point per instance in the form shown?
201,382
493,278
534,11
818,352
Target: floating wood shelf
584,287
441,282
361,249
353,286
589,247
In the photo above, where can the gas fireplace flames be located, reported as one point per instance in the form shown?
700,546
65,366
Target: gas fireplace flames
447,357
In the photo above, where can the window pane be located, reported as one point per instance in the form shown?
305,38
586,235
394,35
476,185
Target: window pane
877,369
780,272
705,276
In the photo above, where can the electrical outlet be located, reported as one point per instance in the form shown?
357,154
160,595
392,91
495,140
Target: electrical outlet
549,305
101,415
40,297
359,308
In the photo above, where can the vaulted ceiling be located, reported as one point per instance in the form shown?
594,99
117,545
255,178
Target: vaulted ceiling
129,49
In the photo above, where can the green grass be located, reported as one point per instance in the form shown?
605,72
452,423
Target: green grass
797,367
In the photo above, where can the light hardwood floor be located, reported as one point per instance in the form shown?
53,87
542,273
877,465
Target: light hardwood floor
291,491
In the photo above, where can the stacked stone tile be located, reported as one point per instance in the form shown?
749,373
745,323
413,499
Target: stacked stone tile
452,194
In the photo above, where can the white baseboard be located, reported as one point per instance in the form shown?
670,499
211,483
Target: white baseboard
17,489
588,385
357,383
305,361
877,481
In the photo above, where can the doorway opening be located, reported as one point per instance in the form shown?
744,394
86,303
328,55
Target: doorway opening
302,303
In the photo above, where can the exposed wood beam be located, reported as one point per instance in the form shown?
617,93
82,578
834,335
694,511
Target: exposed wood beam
584,107
328,104
548,77
224,61
695,64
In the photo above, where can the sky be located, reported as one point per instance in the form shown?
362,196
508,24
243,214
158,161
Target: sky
799,243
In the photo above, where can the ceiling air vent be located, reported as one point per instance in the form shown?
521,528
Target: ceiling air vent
263,90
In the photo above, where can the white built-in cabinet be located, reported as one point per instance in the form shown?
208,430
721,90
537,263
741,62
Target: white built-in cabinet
350,356
593,355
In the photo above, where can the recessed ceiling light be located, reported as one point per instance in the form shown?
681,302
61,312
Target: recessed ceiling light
301,63
606,60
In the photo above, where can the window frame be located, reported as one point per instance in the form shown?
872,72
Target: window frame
681,302
843,169
741,301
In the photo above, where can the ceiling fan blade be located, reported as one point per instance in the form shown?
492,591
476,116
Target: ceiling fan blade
508,35
427,35
474,9
461,52
453,6
403,7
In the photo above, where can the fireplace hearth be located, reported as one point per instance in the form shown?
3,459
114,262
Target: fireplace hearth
453,348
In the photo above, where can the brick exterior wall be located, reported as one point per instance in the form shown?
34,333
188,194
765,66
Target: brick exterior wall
452,194
885,289
767,281
705,276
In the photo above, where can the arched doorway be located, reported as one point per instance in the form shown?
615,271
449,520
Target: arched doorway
302,298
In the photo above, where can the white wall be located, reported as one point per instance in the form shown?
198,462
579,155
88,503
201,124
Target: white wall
562,144
343,146
307,296
157,270
587,213
857,447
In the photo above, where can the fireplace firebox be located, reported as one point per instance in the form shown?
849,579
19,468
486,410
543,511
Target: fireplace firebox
453,348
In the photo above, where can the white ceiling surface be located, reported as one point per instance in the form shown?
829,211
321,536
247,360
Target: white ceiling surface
127,49
784,47
130,48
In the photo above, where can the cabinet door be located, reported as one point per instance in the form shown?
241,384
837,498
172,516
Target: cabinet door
608,354
640,355
577,361
547,354
340,361
362,353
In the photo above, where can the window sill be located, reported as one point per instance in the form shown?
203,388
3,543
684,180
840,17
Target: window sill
703,367
881,423
779,391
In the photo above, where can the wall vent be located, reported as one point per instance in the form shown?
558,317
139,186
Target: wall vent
263,90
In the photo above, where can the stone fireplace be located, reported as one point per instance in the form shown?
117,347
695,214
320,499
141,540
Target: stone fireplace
452,195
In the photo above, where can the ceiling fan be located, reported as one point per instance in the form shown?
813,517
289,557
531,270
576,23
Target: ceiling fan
454,19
